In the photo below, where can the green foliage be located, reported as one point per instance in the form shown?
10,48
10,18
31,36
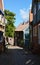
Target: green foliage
10,28
21,42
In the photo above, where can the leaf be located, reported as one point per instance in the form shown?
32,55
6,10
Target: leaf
10,28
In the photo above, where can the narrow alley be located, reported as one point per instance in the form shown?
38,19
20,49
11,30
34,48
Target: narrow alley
18,56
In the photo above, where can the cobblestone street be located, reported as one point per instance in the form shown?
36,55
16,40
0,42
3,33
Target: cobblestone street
17,56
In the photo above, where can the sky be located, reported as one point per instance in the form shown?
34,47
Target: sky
20,7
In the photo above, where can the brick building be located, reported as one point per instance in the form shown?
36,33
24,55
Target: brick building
35,26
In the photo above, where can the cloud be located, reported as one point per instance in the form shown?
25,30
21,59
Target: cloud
30,6
25,13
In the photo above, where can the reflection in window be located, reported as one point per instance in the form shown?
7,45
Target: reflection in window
34,9
38,5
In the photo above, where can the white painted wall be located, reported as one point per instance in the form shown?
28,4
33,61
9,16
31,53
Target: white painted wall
11,41
0,17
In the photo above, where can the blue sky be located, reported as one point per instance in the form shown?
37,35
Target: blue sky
20,8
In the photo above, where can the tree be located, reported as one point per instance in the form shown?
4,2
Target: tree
10,28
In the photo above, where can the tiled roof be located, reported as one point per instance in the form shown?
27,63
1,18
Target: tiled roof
22,26
1,5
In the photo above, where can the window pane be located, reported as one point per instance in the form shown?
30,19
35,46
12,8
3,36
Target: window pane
34,9
38,5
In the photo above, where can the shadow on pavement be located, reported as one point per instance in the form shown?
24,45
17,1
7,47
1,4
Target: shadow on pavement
18,56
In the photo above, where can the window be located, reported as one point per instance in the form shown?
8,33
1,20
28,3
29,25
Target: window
38,5
34,9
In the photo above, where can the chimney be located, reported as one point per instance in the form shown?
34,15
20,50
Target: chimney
31,16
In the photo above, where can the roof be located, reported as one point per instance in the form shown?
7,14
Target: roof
1,5
22,26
